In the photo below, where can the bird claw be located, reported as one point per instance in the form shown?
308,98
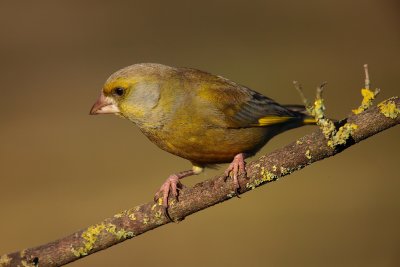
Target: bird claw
171,185
236,168
166,213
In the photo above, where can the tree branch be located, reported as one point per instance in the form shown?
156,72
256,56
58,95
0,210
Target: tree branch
140,219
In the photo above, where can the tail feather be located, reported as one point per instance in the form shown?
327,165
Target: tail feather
307,119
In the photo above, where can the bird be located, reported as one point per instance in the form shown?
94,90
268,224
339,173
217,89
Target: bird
204,118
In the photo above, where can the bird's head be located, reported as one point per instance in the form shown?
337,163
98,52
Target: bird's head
131,92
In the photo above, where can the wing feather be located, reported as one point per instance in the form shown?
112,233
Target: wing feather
236,106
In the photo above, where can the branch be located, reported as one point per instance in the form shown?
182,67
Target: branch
140,219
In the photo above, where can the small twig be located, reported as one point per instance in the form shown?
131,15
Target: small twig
320,89
299,88
304,99
368,95
367,81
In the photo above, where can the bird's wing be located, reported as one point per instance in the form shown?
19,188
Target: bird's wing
242,107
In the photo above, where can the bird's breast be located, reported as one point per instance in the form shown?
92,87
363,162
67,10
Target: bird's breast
209,145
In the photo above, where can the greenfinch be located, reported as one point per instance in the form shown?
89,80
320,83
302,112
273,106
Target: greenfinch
201,117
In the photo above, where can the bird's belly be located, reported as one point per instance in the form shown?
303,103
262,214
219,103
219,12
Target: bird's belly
213,145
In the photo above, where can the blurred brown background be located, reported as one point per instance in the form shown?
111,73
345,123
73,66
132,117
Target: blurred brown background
62,170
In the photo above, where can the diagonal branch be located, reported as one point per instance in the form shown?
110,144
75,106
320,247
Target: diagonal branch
140,219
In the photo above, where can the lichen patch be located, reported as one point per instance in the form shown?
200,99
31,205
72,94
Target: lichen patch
308,154
340,136
368,97
90,236
389,109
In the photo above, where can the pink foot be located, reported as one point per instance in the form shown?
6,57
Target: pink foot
236,168
172,184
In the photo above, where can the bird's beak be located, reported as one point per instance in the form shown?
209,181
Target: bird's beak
104,105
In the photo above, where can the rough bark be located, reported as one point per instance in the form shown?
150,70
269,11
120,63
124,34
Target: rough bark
140,219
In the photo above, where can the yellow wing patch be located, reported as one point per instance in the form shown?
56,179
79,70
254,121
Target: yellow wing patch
271,120
309,120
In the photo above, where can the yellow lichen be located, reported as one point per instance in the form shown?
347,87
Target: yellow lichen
298,142
5,260
172,202
158,217
121,214
308,154
389,109
368,97
340,137
336,137
145,220
158,214
326,125
132,216
274,168
90,237
268,176
318,109
120,234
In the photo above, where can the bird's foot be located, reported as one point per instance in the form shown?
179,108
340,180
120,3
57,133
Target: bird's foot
173,185
236,168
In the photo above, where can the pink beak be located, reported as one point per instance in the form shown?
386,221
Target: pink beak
104,105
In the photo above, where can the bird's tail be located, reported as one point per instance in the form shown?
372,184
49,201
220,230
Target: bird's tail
307,119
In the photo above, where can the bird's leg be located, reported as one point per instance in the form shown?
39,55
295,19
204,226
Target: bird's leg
172,184
236,168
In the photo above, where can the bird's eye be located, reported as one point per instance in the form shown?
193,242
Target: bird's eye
119,91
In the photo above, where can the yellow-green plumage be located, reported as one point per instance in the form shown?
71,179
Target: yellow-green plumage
198,116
